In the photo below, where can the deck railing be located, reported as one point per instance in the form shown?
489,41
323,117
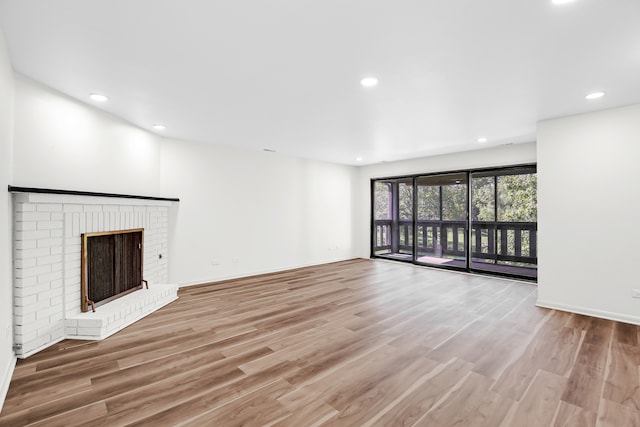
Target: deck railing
491,240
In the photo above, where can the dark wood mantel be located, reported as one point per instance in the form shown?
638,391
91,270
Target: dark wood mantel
13,189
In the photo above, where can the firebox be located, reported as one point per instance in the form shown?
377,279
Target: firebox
111,266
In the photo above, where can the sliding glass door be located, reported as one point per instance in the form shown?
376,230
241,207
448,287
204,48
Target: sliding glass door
478,220
441,220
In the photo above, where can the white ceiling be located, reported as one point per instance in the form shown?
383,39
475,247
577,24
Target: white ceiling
284,74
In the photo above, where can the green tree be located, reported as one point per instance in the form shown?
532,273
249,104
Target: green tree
517,198
454,202
405,206
429,202
482,198
382,200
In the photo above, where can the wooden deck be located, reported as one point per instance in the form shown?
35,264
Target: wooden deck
355,343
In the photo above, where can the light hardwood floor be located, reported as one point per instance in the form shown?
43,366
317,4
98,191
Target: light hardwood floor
355,343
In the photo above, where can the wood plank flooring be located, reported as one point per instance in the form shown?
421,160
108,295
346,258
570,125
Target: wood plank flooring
355,343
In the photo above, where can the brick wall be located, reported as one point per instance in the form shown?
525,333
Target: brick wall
47,246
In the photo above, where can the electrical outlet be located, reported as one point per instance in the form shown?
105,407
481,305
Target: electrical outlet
635,293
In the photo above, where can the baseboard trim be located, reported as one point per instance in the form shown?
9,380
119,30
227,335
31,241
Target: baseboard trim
262,272
42,347
6,381
634,320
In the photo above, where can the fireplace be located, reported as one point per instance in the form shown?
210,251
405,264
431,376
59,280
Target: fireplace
111,266
49,229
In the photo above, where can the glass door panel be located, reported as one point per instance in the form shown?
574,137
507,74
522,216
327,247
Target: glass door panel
441,220
393,218
504,221
382,217
405,218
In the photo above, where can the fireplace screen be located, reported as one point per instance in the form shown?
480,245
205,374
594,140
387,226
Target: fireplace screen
111,265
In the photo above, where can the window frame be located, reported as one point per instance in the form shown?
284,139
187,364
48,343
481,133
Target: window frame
489,171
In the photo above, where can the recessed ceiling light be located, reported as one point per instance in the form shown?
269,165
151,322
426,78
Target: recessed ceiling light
358,159
98,97
595,95
562,1
369,82
159,126
482,140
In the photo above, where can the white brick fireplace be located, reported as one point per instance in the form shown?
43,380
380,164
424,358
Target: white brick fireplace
47,258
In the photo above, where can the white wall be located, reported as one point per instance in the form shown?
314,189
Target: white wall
61,143
7,359
490,157
245,212
588,211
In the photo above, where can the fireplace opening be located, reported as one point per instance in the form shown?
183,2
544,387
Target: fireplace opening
111,266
